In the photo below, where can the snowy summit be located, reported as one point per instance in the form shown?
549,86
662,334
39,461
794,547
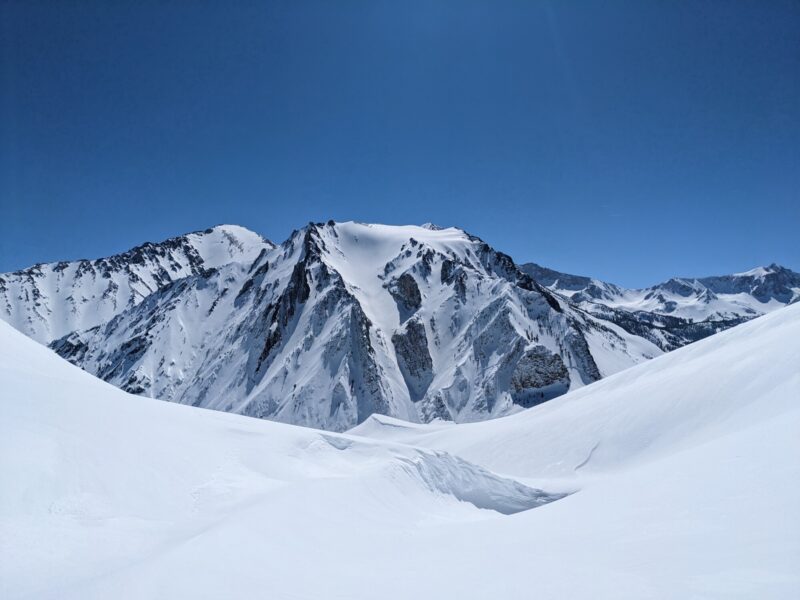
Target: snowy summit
345,320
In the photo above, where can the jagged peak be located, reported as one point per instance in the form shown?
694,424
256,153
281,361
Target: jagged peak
235,235
763,271
237,231
681,283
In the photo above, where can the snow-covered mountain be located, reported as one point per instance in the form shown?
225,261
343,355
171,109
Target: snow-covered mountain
344,320
48,301
676,478
736,297
679,311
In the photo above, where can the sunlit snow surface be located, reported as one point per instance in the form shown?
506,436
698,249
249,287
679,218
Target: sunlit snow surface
682,475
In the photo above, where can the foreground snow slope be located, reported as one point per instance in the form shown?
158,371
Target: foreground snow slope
95,480
684,472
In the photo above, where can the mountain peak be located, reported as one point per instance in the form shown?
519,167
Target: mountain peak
223,244
763,271
82,294
348,319
231,229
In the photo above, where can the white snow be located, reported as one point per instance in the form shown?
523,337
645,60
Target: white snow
359,252
224,244
759,272
96,484
683,474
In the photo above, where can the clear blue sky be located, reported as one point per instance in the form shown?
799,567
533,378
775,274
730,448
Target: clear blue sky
629,140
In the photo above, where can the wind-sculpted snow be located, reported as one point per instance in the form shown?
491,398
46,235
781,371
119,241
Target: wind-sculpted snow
441,472
344,320
94,481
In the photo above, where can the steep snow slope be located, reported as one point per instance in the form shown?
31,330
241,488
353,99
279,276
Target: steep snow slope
734,297
48,301
344,320
684,474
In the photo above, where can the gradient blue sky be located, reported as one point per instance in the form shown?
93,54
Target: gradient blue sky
629,140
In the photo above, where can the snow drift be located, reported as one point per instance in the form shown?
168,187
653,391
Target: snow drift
95,480
676,478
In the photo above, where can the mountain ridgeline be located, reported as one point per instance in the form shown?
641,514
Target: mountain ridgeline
681,310
344,320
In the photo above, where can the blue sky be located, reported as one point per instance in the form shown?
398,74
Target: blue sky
626,140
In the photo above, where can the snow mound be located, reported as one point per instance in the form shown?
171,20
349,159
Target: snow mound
94,480
387,428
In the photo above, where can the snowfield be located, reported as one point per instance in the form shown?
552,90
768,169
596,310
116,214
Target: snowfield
676,478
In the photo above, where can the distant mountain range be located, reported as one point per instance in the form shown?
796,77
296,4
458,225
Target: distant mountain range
681,310
747,294
343,320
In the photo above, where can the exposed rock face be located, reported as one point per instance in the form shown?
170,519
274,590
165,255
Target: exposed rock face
538,376
405,292
582,355
414,359
665,331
